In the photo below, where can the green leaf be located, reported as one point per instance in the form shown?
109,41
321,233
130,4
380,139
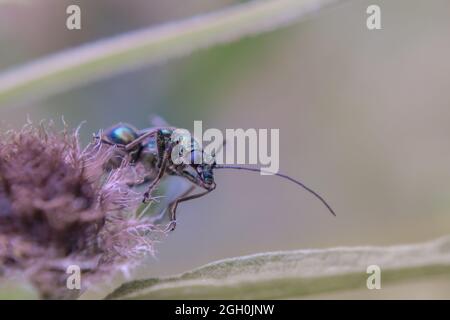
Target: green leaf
296,274
94,61
17,289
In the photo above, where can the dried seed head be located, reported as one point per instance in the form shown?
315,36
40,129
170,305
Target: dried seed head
59,208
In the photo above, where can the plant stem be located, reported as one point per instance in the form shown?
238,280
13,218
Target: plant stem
94,61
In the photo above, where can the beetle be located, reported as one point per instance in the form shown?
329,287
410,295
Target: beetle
153,147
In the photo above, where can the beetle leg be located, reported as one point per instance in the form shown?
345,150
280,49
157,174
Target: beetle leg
173,206
144,136
162,170
139,139
186,197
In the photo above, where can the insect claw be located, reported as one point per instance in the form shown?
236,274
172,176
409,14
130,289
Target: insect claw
146,198
171,226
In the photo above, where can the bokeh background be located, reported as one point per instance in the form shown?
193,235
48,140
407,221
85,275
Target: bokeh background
364,118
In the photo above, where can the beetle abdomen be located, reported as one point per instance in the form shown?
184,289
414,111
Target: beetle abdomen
122,134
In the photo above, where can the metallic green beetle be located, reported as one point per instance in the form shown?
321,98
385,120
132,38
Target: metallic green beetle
152,147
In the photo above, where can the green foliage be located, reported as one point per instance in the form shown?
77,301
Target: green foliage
152,45
296,274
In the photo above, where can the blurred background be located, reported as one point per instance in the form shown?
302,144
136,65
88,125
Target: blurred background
364,119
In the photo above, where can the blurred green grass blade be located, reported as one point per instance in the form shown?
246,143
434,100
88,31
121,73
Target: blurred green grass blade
296,274
17,289
110,56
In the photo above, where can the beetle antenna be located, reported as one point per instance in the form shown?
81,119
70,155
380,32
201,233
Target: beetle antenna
282,176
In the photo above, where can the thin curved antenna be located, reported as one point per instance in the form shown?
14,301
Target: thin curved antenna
282,176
